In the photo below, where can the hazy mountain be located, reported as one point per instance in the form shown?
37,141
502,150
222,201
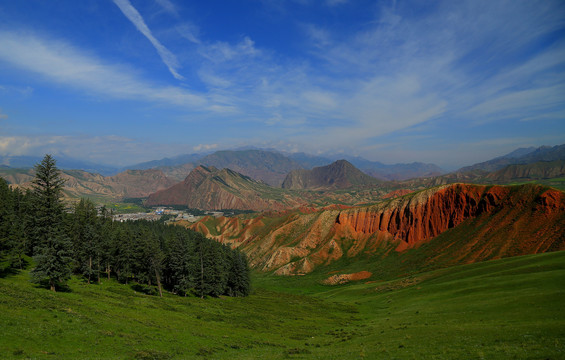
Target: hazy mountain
209,188
308,161
79,183
268,166
167,162
537,170
338,175
520,156
63,163
395,171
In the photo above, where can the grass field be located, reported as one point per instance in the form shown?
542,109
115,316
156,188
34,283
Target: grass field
506,309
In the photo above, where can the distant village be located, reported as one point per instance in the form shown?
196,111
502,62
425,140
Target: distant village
157,213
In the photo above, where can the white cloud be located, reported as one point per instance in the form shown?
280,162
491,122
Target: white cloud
223,51
62,63
190,32
110,149
205,147
3,116
168,6
135,17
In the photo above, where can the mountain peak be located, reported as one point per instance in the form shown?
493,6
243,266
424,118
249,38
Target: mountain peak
340,174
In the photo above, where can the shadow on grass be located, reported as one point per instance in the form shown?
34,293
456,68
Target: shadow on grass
44,284
8,271
12,267
145,289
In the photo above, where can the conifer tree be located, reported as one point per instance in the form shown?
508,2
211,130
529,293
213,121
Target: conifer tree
52,246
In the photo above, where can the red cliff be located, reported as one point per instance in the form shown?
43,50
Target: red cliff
484,222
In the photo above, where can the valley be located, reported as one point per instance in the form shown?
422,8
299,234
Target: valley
459,312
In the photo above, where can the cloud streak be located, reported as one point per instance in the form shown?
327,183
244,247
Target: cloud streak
135,17
62,63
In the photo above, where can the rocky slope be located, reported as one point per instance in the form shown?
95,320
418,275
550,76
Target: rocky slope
208,188
538,170
338,175
520,156
78,183
270,167
447,225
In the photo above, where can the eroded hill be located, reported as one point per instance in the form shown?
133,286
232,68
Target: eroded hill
443,226
209,188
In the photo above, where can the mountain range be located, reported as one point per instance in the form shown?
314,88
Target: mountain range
272,168
79,183
520,156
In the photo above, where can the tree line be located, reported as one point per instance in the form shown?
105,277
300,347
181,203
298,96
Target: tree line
85,241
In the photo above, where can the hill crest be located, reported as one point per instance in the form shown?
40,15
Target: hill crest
340,174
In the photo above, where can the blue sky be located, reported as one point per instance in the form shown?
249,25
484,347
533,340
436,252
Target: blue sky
125,81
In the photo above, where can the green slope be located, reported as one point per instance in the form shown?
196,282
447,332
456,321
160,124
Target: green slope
509,308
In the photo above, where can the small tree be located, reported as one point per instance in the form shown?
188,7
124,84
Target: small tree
52,247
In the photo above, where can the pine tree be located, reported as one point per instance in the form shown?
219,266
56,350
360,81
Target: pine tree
85,234
238,276
52,247
6,214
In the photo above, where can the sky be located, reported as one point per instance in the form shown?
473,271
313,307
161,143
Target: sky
124,81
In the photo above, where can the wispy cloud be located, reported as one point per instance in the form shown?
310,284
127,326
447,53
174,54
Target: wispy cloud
135,17
2,115
100,149
168,6
205,147
64,64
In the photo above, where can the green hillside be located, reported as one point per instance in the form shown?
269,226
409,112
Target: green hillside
510,308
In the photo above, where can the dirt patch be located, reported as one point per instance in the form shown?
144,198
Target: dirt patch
345,278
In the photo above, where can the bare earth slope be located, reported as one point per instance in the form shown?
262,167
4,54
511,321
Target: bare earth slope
78,183
211,189
338,175
443,226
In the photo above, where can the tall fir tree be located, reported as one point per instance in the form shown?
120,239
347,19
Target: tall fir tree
52,251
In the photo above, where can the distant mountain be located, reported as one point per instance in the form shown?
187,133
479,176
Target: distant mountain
520,152
268,166
338,175
79,183
167,162
395,171
520,156
308,161
63,163
209,188
537,170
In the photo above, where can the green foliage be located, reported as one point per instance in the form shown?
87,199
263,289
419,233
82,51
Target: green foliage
88,243
503,309
52,247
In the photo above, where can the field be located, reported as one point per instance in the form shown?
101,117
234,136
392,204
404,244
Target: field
509,308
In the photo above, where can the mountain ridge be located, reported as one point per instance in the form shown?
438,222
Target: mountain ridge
209,188
475,222
340,174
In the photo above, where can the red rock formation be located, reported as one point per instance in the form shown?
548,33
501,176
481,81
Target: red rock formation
425,215
505,221
397,193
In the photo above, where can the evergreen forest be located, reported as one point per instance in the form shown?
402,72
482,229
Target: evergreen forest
37,230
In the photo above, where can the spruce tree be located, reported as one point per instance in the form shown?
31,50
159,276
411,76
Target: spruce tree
52,247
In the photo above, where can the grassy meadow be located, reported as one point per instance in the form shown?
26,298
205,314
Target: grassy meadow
502,309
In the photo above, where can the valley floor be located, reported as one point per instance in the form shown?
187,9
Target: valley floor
509,308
